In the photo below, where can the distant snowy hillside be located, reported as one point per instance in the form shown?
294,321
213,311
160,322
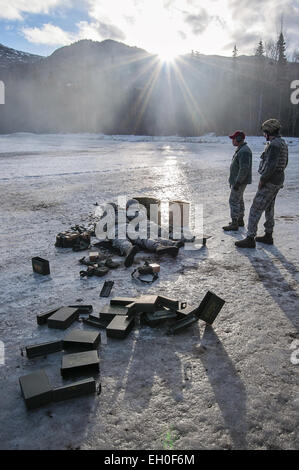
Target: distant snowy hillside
9,56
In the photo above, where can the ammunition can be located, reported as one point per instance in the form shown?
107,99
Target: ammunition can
73,390
158,317
123,301
108,312
80,363
43,349
41,266
143,304
82,309
170,303
36,389
81,340
63,318
152,206
120,327
179,214
183,324
183,313
209,307
42,318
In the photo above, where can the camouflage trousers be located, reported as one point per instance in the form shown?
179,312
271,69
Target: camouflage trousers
125,245
264,201
236,203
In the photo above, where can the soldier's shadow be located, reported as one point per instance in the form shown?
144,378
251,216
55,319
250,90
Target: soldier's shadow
290,267
273,279
229,390
152,370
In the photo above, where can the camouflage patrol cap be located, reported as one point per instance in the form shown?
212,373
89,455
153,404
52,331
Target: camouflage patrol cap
271,126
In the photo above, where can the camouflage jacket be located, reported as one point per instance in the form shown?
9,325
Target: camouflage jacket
241,166
273,162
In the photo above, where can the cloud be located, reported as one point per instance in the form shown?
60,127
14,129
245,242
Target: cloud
99,30
263,20
291,16
107,30
55,36
116,11
198,22
48,34
243,41
173,25
14,9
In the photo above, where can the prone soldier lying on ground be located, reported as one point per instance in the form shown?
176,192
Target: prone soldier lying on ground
128,230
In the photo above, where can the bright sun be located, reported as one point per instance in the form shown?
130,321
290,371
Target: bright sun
167,55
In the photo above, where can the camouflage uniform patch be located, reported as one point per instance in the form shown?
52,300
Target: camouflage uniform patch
151,244
122,244
236,203
264,201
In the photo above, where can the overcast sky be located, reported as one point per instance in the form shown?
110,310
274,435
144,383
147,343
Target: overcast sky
167,27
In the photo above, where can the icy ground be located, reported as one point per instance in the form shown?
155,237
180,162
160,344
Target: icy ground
228,387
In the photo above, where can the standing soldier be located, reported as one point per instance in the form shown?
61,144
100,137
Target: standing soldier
240,176
273,163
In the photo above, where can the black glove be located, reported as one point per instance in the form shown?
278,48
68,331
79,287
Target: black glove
236,186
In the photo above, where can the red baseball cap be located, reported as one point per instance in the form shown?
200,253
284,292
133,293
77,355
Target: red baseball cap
240,134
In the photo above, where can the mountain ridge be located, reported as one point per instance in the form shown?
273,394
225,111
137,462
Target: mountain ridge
111,88
10,56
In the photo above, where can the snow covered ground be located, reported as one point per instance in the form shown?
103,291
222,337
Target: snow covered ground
228,387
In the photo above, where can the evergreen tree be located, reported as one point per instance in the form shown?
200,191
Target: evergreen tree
259,85
260,51
281,49
281,73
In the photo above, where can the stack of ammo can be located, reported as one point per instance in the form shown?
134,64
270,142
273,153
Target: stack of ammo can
82,360
118,319
120,316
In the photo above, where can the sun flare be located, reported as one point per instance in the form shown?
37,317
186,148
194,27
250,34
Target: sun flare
167,55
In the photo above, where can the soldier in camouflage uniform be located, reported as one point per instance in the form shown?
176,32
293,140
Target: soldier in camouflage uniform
128,244
273,163
240,176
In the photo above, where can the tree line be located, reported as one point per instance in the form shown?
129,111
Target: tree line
111,88
264,89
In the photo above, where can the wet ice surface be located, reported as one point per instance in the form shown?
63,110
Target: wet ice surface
230,386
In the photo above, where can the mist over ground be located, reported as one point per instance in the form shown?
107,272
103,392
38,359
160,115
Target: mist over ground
112,88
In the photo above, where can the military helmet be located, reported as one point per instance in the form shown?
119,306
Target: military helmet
271,126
